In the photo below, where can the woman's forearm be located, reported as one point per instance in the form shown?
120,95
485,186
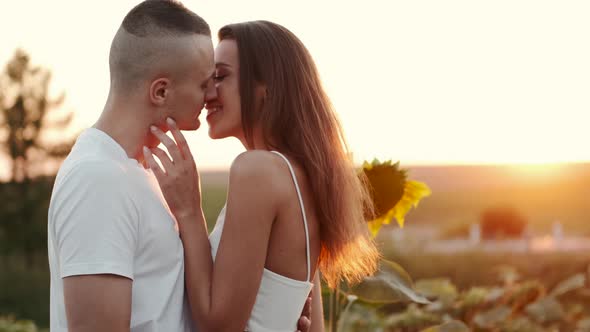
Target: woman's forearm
198,265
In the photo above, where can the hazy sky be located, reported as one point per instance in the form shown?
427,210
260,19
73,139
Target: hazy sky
424,82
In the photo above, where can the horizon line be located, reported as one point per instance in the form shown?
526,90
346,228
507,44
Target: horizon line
416,164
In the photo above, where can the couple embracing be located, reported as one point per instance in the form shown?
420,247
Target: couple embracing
128,245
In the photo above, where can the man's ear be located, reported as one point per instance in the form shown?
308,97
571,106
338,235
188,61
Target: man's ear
159,91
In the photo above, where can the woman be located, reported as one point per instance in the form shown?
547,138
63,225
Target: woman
295,202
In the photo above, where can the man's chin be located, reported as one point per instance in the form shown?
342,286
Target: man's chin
191,127
197,125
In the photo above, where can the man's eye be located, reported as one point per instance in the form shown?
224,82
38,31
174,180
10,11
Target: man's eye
218,78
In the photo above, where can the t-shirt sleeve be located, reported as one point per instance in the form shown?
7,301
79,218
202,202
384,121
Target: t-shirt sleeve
96,221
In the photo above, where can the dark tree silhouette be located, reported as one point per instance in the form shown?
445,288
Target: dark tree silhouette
26,116
502,222
25,108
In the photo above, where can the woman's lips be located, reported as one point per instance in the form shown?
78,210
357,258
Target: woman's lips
212,111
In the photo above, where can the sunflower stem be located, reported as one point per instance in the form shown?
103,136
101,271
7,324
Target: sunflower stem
334,309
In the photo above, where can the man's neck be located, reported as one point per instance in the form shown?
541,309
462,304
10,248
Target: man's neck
122,123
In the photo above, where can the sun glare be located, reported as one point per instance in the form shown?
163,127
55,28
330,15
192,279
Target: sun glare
538,170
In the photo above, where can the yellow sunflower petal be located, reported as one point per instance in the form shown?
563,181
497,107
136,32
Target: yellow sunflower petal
375,226
367,166
414,191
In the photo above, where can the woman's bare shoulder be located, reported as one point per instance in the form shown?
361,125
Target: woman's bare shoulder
263,169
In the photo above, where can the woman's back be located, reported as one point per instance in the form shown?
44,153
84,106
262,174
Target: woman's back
288,271
287,246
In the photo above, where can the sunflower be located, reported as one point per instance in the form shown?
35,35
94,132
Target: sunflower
392,193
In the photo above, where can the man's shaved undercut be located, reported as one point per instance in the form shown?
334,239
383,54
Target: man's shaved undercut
150,40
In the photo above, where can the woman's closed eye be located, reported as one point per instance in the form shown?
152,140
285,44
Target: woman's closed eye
218,78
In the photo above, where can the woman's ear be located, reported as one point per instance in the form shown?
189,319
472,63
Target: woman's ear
159,91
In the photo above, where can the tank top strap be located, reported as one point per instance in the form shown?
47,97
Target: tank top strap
307,248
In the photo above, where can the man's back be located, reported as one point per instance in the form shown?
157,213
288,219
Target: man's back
107,216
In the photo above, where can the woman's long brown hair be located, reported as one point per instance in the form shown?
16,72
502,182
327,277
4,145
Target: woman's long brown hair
297,118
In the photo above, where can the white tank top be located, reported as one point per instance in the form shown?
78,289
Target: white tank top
280,300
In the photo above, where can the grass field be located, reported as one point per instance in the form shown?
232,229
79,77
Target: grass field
24,291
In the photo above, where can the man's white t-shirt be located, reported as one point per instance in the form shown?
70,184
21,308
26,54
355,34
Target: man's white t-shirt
107,216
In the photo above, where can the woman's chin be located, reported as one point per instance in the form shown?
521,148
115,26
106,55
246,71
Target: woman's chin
221,132
213,134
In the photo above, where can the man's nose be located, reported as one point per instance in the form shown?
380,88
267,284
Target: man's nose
211,93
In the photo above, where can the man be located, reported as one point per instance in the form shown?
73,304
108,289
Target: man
115,257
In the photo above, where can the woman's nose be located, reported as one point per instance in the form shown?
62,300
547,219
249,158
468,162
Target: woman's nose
211,93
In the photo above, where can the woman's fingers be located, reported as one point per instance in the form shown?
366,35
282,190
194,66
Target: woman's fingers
180,140
166,162
153,165
303,324
168,143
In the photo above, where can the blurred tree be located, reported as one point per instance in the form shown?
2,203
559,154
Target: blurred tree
26,111
502,222
25,106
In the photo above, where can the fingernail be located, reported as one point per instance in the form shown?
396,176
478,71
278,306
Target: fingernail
153,128
145,149
170,121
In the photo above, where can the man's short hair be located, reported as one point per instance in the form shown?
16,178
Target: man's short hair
156,17
140,41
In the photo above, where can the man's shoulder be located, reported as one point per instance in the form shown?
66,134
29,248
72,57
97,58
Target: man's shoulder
91,159
92,169
91,183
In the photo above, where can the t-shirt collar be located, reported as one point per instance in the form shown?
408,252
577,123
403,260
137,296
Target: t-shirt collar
111,146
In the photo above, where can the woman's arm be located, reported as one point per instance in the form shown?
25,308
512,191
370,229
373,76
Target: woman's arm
228,288
221,294
317,309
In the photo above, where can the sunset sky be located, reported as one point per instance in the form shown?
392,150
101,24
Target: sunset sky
424,82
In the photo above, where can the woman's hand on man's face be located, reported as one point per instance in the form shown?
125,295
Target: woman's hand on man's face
179,178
